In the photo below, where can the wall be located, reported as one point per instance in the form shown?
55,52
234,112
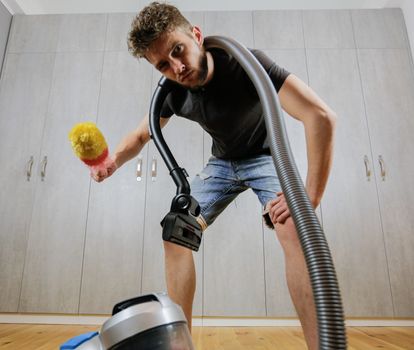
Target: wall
31,7
101,6
5,20
67,67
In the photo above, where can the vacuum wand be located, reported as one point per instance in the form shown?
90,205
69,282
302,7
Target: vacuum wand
180,225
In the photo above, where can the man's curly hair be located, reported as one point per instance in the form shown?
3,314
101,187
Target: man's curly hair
152,22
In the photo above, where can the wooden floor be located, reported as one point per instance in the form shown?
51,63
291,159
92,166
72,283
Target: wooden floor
49,337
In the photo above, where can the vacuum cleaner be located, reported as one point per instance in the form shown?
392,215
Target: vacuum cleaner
153,322
148,322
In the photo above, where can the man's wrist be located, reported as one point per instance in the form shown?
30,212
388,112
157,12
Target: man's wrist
117,160
314,199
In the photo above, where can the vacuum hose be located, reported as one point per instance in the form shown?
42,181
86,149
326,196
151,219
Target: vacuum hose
318,258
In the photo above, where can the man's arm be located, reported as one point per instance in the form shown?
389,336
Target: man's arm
302,103
129,147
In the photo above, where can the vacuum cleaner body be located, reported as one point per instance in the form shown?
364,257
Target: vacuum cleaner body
150,322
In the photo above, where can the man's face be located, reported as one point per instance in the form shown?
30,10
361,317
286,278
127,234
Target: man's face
180,57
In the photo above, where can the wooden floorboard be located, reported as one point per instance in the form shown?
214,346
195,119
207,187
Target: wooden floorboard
49,337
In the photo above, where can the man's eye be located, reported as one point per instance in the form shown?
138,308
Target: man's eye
178,49
162,66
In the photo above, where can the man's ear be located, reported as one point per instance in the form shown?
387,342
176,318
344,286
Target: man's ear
198,35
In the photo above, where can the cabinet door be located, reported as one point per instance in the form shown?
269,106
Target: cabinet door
185,140
234,283
34,33
82,32
237,233
113,250
119,25
278,29
234,24
295,62
328,29
24,93
5,21
388,84
350,206
278,302
379,28
233,256
51,281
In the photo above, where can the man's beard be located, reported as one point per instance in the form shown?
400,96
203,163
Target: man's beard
202,74
202,70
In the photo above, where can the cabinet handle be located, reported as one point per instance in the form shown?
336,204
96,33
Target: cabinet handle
382,166
154,169
29,168
367,168
139,169
43,171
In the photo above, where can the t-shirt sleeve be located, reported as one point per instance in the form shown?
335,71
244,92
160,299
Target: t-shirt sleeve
276,73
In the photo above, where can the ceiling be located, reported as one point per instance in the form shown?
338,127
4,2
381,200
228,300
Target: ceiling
31,7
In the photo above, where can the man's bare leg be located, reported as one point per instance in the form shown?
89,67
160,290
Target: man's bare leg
298,281
180,276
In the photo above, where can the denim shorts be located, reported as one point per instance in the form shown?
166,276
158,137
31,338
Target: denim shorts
222,180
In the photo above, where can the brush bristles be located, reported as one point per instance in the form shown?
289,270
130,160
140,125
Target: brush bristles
87,141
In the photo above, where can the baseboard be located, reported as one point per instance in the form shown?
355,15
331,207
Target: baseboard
199,321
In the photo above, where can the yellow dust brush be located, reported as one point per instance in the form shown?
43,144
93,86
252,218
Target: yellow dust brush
88,143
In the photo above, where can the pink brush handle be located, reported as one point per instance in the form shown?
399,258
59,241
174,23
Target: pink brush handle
100,159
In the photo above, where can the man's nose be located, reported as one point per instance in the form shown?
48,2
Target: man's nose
178,67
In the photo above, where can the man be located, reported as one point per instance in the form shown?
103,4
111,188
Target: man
215,92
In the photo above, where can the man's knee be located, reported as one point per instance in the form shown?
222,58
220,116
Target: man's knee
287,234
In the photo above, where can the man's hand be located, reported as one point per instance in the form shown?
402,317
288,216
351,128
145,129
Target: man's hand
278,209
100,173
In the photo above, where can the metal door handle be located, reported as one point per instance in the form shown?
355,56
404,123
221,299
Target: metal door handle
154,169
367,168
43,171
382,166
29,168
139,169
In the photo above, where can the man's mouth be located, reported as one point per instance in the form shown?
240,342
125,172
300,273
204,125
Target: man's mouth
184,77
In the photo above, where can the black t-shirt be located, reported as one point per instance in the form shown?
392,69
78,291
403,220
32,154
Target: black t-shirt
228,107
